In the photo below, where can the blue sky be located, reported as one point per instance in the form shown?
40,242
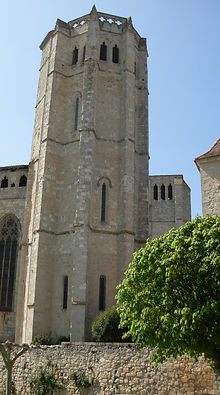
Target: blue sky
183,65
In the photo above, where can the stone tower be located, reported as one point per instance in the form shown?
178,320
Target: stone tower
87,193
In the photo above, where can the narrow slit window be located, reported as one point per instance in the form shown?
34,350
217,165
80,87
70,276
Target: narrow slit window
102,292
162,192
8,255
115,54
4,183
76,114
75,56
84,53
103,52
23,181
65,292
170,192
155,192
103,203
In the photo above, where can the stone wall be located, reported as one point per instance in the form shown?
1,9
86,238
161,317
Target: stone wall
12,202
115,369
170,211
210,183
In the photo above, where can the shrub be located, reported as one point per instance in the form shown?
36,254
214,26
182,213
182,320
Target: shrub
80,379
105,327
44,381
42,340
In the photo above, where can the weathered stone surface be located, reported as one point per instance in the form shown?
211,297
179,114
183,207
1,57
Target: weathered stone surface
115,369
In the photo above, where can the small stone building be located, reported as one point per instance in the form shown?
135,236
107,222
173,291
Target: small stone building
90,202
208,165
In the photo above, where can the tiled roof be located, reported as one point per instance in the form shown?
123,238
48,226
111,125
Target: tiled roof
213,151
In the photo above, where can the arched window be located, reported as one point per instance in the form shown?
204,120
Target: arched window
65,292
75,56
4,183
84,53
23,181
103,203
76,114
170,192
162,192
102,292
103,52
115,54
155,192
9,234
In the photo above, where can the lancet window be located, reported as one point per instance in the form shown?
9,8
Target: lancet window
103,203
9,234
4,182
76,114
170,192
103,52
84,53
115,54
65,292
75,56
102,292
23,181
155,192
162,191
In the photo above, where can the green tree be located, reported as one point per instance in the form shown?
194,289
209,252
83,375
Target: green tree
105,327
170,298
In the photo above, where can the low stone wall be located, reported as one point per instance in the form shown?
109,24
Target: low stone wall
115,369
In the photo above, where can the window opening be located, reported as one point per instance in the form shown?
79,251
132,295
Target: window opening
103,52
155,192
75,56
162,192
103,205
84,53
170,192
65,292
13,185
115,54
23,181
4,183
102,292
76,114
8,255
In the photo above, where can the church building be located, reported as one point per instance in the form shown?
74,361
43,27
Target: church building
71,219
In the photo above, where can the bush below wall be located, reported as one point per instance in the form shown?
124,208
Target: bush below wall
112,368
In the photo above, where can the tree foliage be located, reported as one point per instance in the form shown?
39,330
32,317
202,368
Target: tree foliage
105,327
170,298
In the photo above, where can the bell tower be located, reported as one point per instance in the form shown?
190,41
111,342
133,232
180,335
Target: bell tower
87,193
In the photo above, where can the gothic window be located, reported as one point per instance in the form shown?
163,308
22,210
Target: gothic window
75,56
115,54
76,114
155,192
103,203
23,181
103,52
65,292
162,192
170,192
84,53
102,292
8,253
4,183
